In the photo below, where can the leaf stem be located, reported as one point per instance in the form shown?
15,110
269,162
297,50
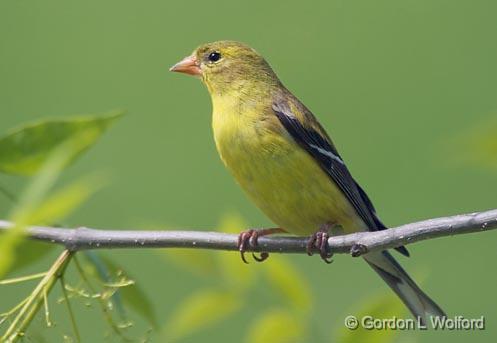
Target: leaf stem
35,299
101,302
69,309
22,279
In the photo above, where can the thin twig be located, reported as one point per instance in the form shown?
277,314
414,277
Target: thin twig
47,310
102,302
35,299
69,309
13,310
356,243
22,279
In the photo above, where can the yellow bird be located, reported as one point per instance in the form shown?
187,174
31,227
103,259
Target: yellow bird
287,164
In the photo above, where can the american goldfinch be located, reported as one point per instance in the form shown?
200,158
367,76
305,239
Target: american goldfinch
286,162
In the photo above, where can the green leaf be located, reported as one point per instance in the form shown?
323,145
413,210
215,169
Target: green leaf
16,250
63,202
202,309
41,185
24,150
31,198
34,205
276,326
289,283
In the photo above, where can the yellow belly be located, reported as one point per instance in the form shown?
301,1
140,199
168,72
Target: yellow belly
281,178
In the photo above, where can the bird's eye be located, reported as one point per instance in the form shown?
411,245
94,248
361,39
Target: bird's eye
214,56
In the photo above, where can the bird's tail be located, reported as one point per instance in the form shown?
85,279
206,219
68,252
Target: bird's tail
420,305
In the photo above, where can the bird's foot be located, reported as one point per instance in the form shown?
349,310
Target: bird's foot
319,241
249,239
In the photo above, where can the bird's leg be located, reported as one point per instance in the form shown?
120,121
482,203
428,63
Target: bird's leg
319,240
248,238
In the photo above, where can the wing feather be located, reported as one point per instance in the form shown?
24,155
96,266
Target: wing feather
315,141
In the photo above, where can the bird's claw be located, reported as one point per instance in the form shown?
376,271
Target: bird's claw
248,239
319,241
262,257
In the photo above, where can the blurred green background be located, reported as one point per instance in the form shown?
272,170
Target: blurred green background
408,90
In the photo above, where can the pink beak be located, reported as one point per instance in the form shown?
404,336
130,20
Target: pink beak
188,65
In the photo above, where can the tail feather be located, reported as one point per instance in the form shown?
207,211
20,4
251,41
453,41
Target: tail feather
420,305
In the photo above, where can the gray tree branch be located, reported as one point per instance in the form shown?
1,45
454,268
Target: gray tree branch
356,244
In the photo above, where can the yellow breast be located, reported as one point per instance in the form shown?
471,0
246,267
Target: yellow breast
278,176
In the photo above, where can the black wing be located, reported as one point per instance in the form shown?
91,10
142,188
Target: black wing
326,155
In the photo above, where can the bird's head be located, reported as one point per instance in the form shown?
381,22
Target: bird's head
226,66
